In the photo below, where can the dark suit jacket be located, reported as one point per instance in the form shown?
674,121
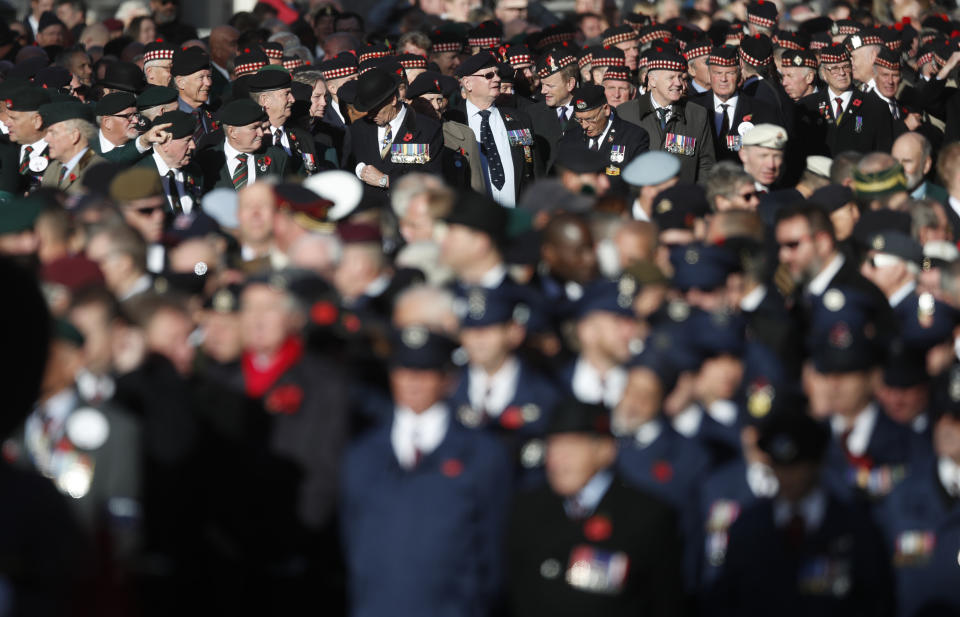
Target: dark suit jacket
688,121
748,109
631,141
11,180
306,156
216,174
192,180
362,146
865,126
547,128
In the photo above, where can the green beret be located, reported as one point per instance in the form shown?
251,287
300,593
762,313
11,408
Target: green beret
156,95
28,98
182,123
9,86
65,331
19,215
265,80
241,113
115,102
879,184
53,113
135,183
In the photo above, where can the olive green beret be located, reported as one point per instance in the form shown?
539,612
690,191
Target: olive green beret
135,183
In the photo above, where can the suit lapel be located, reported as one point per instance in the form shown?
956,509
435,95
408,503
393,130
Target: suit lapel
516,154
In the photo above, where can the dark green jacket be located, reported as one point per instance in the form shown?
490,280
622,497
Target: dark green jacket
269,161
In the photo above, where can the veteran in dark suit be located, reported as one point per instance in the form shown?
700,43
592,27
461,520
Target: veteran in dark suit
553,116
392,140
602,130
192,79
182,179
70,129
674,125
241,157
270,88
26,157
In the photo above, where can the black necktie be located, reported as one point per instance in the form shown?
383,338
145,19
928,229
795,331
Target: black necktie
562,116
725,120
174,193
894,110
662,112
278,138
489,148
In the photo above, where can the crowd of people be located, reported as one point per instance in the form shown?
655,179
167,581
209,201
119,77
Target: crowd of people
467,308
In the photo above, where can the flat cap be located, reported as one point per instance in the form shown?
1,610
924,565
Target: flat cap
484,307
114,103
27,98
679,206
478,61
153,96
135,183
266,80
898,244
188,61
607,296
52,113
652,167
240,112
588,97
182,124
766,136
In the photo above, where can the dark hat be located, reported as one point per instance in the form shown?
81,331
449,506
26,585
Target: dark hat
197,224
843,335
240,112
374,88
787,39
359,233
73,272
816,25
486,34
224,300
114,103
846,27
28,98
249,61
20,214
819,41
724,55
862,39
756,50
446,40
28,69
486,307
719,333
657,360
573,416
888,59
834,54
588,97
832,197
665,57
273,50
679,206
698,48
637,20
373,51
430,82
266,80
790,438
348,92
344,65
47,19
654,32
618,34
553,62
517,55
898,244
53,78
188,61
152,96
798,58
125,76
418,348
701,266
65,331
616,73
762,13
135,183
608,56
872,222
478,61
507,73
53,113
880,183
574,155
158,50
412,61
480,213
604,295
557,34
182,123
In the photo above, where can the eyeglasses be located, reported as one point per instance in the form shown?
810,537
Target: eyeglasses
750,196
583,120
128,117
488,75
839,68
148,210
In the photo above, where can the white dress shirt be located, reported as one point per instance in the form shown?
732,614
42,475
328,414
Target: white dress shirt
186,201
731,104
656,106
492,393
821,281
752,301
566,110
862,429
494,277
382,136
156,258
891,104
593,141
232,163
589,386
73,163
417,432
37,148
954,205
639,214
949,473
900,295
845,97
812,508
285,139
106,145
507,196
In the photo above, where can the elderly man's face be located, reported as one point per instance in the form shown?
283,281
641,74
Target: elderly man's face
593,121
915,166
158,73
81,67
887,81
318,99
839,75
631,50
617,92
762,163
277,104
179,151
447,61
24,126
483,86
724,80
668,85
195,87
863,62
246,138
796,81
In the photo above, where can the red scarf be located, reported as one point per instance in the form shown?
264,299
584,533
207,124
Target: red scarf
257,380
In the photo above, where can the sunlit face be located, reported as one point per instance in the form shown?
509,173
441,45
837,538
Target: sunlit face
179,151
158,73
557,89
724,80
318,99
798,82
246,138
763,164
617,92
126,121
631,51
24,126
437,101
887,81
195,88
839,76
668,86
277,104
61,139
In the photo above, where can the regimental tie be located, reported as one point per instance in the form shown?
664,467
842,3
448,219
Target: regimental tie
893,110
562,116
240,174
278,138
839,109
662,112
25,161
200,130
387,141
174,193
489,148
63,172
724,120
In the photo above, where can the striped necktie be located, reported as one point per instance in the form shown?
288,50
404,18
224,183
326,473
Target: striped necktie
63,172
25,161
387,142
240,173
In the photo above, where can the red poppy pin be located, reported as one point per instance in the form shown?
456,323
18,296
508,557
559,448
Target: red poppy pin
408,137
857,102
351,323
511,418
451,468
73,177
285,399
267,160
292,136
597,528
463,152
323,313
662,472
748,118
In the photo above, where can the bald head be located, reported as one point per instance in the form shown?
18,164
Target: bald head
568,248
913,152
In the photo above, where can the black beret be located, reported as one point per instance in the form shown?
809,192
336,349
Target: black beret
431,82
588,97
156,95
301,92
723,55
573,416
575,156
27,99
49,18
476,62
53,113
832,197
114,103
28,69
507,73
53,77
793,438
158,50
240,112
182,124
418,348
249,61
481,213
188,61
266,80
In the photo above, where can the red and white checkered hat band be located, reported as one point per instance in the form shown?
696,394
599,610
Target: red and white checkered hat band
439,48
616,74
734,38
788,44
763,22
519,59
718,61
666,65
751,60
894,45
585,60
927,57
619,38
249,67
274,54
485,41
809,63
370,55
650,37
419,63
641,63
560,63
847,30
346,71
609,62
886,64
696,52
833,58
818,45
292,64
160,54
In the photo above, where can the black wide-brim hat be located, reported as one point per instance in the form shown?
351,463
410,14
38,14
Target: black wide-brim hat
374,88
125,76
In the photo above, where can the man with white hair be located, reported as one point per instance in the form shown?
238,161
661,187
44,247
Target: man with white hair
914,152
70,129
762,154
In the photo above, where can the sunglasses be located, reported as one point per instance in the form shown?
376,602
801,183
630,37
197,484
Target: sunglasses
750,196
148,210
793,244
488,75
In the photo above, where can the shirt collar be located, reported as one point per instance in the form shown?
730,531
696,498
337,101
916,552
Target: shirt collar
899,295
494,392
731,102
656,105
949,473
162,167
639,213
821,281
844,96
648,432
397,121
230,152
812,508
860,432
76,159
751,301
37,147
590,386
418,431
587,499
494,277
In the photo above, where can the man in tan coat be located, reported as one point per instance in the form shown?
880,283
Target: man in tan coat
70,127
